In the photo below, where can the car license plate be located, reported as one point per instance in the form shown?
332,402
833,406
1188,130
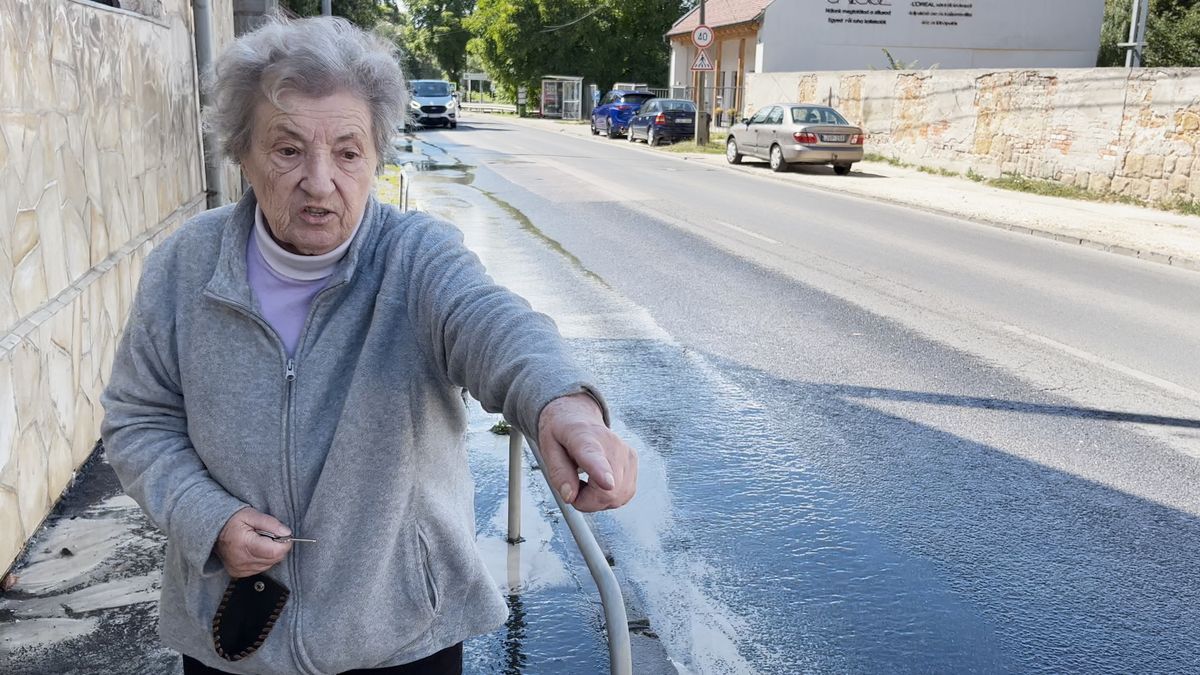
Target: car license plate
684,120
834,139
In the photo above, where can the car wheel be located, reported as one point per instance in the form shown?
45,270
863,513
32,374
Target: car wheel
651,137
778,164
612,130
629,133
731,152
842,169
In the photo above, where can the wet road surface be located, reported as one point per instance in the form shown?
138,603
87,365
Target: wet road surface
873,439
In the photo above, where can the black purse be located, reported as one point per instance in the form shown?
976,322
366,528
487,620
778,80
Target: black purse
247,613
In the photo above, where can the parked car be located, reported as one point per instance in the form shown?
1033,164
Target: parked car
433,103
663,119
797,133
615,110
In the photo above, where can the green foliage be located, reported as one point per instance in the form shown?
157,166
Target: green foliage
1172,33
893,64
417,65
436,30
716,146
938,171
604,41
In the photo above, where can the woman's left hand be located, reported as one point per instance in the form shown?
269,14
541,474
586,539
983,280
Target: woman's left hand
572,437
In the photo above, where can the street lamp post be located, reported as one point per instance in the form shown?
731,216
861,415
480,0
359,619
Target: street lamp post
1137,34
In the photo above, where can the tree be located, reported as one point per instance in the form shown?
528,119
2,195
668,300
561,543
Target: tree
1172,33
416,64
436,30
604,41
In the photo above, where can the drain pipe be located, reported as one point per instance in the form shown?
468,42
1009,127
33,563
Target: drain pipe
214,177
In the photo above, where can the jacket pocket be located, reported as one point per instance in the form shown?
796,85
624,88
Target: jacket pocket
431,589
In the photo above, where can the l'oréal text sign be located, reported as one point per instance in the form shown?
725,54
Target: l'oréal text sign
799,35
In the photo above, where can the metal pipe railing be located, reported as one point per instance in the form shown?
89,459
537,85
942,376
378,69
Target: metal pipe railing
615,620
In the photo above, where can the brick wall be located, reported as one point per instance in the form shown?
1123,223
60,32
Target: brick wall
1133,133
99,160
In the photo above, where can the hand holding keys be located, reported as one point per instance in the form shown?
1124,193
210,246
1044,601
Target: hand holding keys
282,538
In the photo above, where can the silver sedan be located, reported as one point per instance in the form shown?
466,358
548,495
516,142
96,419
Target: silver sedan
797,133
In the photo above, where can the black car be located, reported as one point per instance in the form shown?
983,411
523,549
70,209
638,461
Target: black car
663,119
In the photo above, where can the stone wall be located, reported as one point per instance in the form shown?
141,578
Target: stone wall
1133,133
100,159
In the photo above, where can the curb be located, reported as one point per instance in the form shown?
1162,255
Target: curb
1179,262
1176,261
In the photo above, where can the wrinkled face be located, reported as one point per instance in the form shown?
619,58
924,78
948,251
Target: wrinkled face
312,167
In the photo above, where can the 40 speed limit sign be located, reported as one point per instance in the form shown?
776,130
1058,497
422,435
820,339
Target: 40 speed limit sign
702,36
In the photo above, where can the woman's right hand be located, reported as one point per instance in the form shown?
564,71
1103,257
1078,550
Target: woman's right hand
245,552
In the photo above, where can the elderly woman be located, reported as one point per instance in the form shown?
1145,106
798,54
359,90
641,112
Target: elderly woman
294,366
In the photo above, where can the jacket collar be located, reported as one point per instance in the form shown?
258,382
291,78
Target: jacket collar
229,280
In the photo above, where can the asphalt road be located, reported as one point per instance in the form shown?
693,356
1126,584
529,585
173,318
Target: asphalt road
875,439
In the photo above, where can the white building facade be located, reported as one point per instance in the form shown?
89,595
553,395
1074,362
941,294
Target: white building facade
773,36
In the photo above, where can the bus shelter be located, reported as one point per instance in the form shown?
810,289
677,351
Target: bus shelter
562,97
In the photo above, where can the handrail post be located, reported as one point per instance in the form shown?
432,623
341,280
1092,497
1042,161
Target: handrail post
515,441
616,620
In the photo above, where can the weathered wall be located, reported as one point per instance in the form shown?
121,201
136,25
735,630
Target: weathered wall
1134,133
99,159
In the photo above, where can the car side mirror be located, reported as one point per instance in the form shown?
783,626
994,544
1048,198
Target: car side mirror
746,121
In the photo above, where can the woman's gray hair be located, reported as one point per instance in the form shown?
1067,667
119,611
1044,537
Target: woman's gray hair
313,57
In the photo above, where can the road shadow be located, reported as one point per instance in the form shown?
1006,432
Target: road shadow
893,541
811,170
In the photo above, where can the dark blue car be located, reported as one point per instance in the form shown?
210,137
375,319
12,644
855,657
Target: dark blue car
616,108
663,119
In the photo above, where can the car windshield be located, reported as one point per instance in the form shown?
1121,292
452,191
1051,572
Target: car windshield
677,106
429,89
817,116
636,99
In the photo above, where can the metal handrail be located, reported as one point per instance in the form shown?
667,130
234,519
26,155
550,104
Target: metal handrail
615,620
489,107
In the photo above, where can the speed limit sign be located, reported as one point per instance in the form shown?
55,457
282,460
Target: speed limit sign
702,36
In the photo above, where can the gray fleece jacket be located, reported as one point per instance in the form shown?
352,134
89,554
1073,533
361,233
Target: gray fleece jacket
357,442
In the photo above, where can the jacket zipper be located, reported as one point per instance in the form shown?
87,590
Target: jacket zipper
289,378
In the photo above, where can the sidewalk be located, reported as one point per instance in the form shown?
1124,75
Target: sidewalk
1149,234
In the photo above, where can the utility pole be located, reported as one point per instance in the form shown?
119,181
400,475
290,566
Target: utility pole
1137,34
701,109
327,7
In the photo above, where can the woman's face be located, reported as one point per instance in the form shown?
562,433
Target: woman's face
312,167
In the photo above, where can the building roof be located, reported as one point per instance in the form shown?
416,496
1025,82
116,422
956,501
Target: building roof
719,13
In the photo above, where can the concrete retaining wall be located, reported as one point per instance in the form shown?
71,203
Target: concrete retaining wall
100,159
1133,133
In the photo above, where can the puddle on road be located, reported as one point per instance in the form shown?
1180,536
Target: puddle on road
528,226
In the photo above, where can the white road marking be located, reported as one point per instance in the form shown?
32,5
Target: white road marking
746,232
1147,378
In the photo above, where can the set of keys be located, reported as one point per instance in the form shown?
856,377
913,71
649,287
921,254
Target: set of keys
283,538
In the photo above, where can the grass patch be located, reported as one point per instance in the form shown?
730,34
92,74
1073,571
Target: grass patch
883,159
1046,188
1187,208
714,147
938,172
1049,188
